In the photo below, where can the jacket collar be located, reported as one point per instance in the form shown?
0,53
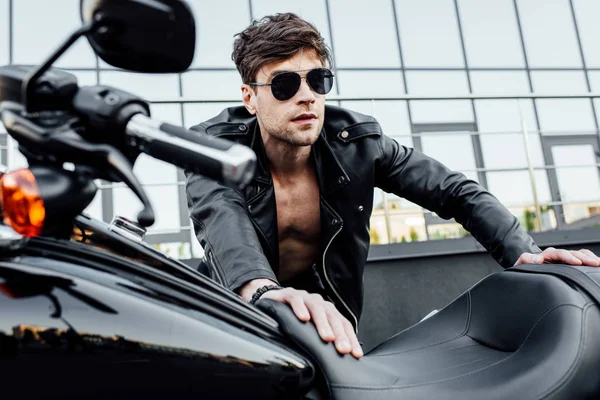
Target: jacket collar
330,173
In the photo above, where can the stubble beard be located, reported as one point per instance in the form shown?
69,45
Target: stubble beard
299,137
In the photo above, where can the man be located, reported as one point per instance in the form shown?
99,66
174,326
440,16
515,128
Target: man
303,222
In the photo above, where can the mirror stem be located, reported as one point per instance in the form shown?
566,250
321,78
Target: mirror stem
28,86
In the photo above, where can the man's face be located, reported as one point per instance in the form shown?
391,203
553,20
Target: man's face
297,121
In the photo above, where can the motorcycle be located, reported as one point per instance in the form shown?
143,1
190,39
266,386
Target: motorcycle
87,309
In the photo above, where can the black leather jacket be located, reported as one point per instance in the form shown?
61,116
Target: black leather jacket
238,229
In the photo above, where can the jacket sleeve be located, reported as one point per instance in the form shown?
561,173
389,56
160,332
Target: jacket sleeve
225,232
424,181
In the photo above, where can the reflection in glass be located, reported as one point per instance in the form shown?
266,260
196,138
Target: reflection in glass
549,33
215,35
40,26
429,33
378,230
491,33
586,14
407,228
358,31
446,231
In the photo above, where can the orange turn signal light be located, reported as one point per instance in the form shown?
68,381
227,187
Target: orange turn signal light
22,205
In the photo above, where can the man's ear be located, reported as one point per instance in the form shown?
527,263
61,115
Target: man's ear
249,98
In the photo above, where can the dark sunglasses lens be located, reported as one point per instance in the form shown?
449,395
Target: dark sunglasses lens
284,86
321,80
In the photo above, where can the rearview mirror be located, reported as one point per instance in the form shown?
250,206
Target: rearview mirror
142,35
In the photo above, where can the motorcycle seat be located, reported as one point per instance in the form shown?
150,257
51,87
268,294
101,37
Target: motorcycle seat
513,335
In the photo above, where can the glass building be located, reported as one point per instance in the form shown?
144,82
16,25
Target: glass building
456,79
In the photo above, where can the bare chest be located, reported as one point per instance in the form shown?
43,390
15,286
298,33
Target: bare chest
298,210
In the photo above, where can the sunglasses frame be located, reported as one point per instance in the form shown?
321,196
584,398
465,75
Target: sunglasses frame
327,74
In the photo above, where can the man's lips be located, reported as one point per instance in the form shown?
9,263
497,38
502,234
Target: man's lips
304,117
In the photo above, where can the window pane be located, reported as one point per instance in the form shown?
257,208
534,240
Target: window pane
563,116
360,41
491,33
580,183
391,115
565,82
370,83
214,35
164,199
460,158
429,33
4,45
407,228
508,150
85,78
39,27
94,210
212,85
505,116
587,12
148,86
439,84
378,230
313,11
514,188
549,33
595,85
195,113
495,82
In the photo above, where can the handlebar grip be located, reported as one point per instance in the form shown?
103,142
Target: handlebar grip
219,159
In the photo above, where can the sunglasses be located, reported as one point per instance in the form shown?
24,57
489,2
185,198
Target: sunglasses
285,85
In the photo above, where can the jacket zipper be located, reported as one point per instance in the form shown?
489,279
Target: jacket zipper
333,287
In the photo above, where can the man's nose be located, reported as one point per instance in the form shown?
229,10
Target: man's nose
305,93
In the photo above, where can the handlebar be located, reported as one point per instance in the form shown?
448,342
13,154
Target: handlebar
215,158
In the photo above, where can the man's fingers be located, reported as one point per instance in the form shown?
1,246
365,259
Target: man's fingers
585,258
319,317
561,256
342,342
591,255
529,258
357,351
298,306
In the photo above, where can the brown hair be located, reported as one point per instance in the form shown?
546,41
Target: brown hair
275,38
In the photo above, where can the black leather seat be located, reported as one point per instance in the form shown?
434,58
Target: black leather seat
514,335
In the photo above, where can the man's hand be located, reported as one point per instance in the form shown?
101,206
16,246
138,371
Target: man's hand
330,323
559,256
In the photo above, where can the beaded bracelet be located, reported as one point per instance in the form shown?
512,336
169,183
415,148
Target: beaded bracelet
262,290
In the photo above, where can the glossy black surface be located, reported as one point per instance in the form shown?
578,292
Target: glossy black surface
78,321
91,334
142,35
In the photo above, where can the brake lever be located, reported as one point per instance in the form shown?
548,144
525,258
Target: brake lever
65,144
104,156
